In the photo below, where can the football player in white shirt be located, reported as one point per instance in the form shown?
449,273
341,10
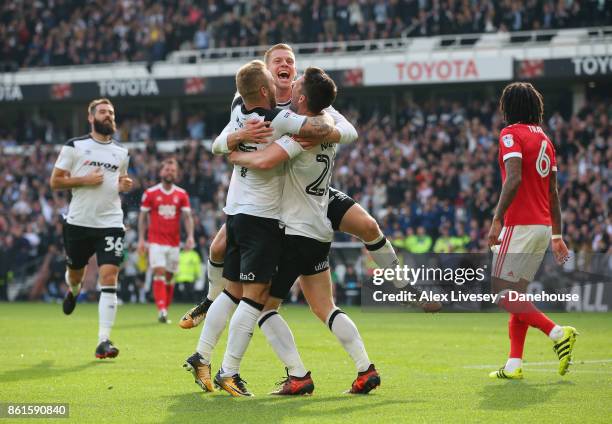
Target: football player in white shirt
94,168
306,243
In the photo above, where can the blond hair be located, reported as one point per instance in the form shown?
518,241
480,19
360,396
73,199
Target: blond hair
95,103
250,78
280,46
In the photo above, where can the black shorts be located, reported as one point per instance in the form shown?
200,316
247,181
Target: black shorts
82,242
300,256
339,203
253,248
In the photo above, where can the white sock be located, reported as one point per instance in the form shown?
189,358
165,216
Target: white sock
216,283
384,255
513,364
75,289
556,333
241,328
347,334
107,311
214,324
281,339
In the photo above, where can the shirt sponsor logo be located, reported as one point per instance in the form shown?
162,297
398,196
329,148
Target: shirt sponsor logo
105,165
508,140
167,211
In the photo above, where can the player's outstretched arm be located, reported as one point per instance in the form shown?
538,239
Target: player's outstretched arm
560,250
345,132
61,179
513,167
264,159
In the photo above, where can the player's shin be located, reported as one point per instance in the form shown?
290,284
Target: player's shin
517,331
216,320
527,313
382,252
107,311
281,339
347,334
159,292
241,329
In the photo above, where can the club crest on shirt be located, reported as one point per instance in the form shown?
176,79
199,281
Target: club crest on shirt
508,140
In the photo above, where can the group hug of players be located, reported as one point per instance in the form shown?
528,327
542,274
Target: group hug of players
281,216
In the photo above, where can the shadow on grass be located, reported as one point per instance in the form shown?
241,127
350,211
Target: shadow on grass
45,370
518,394
219,407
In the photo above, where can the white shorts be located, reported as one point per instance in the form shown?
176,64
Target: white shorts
521,251
161,256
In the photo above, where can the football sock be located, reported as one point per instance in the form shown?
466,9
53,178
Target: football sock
216,283
347,334
169,294
216,319
159,292
556,333
107,310
382,252
281,339
75,289
527,313
517,330
513,364
241,328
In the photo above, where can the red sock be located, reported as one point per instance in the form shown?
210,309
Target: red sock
527,313
517,330
169,294
159,293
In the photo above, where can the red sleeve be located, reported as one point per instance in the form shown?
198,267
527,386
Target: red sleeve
509,145
186,206
145,203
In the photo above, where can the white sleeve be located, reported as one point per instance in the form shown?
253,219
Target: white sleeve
124,165
290,146
287,122
347,131
219,146
66,158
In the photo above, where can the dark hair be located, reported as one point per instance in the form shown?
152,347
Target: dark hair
521,102
319,89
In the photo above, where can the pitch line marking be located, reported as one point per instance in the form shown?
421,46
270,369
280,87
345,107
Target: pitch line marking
527,364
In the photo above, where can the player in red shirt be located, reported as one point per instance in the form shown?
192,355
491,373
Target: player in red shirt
528,207
164,203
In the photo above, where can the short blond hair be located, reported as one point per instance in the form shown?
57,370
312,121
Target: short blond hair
250,78
91,109
280,46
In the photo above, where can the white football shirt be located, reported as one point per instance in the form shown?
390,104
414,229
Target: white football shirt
94,206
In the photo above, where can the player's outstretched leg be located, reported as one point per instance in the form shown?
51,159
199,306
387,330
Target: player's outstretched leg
216,283
74,278
359,223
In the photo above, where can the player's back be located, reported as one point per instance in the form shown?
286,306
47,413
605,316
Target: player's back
305,194
531,205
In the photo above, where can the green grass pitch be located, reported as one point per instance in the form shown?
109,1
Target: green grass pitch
433,368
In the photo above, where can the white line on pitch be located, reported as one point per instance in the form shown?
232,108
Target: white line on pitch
527,364
572,371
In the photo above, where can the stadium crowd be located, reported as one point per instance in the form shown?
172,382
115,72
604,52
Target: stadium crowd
431,179
70,32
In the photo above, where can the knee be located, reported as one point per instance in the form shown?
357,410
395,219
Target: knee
321,310
108,279
370,229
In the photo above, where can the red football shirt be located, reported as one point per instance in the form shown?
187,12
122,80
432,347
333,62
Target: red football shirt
531,205
165,208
